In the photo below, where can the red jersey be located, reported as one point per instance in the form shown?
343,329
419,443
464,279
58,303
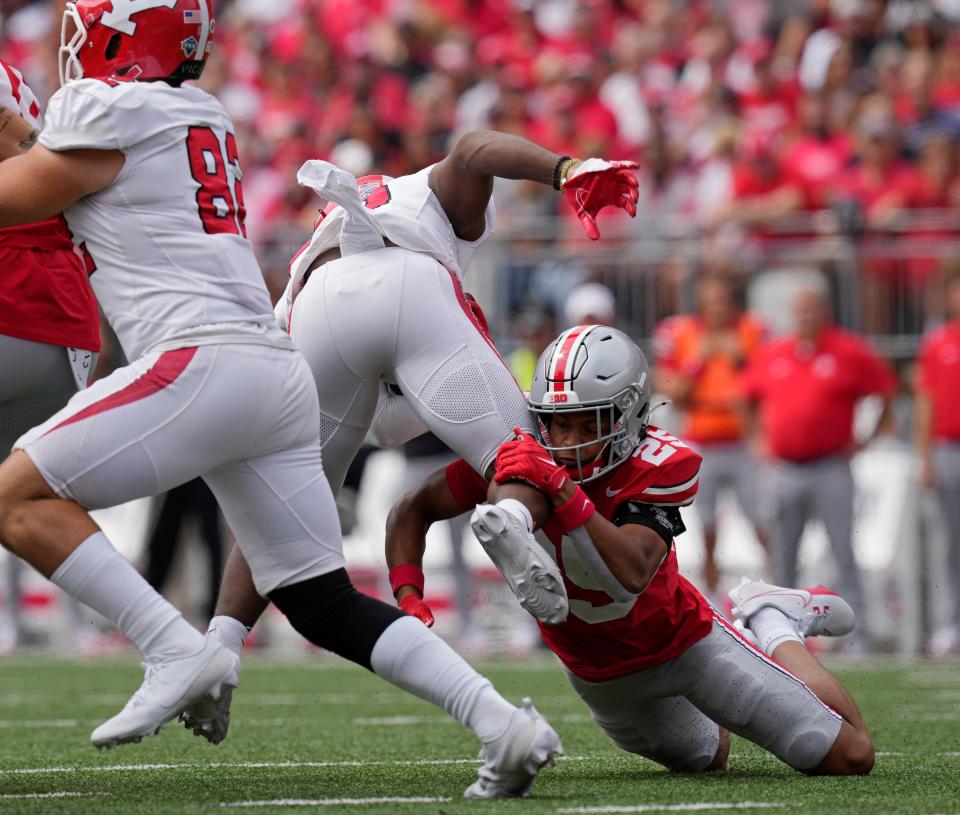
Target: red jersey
807,392
813,163
45,296
939,378
602,639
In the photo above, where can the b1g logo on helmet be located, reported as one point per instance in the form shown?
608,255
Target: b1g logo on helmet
119,16
561,398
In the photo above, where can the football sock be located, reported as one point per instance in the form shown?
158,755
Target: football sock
518,510
228,632
412,657
773,628
97,575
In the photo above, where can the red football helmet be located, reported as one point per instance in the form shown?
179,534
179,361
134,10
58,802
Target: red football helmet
136,39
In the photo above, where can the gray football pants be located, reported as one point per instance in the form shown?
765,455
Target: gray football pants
821,489
35,382
946,462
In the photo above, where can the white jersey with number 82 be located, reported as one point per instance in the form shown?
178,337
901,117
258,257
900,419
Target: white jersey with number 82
167,238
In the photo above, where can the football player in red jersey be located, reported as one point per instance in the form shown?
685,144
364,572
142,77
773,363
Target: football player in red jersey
662,672
49,325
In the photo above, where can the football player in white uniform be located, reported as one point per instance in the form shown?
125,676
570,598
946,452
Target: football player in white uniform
147,173
375,296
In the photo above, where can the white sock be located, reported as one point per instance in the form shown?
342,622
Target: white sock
229,632
773,628
518,510
412,657
97,575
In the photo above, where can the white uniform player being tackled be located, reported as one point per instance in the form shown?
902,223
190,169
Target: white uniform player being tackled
663,674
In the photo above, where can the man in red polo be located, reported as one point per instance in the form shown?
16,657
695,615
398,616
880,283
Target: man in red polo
805,388
938,441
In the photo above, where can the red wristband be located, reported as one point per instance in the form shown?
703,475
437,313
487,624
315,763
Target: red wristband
575,512
406,574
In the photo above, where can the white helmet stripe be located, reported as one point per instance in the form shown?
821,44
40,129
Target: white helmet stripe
565,356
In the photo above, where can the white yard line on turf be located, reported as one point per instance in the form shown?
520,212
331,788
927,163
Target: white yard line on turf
32,795
334,802
404,721
33,724
242,765
693,807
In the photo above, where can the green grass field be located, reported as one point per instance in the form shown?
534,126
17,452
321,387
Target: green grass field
318,734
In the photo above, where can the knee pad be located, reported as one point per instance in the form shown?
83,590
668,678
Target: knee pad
330,612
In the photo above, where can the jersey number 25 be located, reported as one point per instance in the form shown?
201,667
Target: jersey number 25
221,209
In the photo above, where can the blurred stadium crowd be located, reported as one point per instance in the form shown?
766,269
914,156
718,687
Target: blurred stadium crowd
776,139
742,111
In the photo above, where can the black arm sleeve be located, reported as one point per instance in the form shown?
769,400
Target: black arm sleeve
665,521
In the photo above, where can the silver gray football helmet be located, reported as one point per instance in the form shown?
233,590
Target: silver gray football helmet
594,367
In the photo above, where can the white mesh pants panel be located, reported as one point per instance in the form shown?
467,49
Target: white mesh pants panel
454,378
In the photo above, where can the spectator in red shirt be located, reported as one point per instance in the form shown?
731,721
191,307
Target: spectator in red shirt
805,388
817,155
762,193
881,181
938,440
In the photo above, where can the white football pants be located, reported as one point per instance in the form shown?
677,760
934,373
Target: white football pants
395,315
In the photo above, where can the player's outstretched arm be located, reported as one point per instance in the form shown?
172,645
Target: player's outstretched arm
406,539
43,183
463,181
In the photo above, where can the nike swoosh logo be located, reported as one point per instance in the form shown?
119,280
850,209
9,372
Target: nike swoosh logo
611,493
546,460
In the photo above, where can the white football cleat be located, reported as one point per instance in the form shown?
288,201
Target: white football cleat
531,573
511,762
168,688
817,612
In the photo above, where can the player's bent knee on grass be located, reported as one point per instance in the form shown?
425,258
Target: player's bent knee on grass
852,754
719,762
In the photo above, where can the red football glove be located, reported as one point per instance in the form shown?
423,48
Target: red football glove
415,607
594,184
525,459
